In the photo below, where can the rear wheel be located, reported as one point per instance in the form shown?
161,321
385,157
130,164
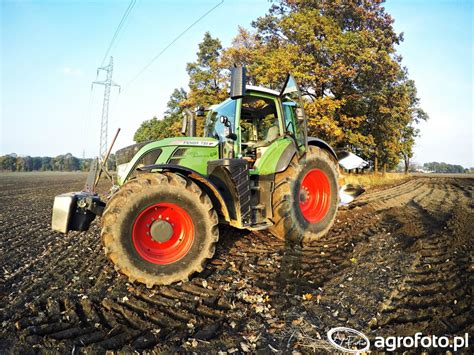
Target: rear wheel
159,229
306,196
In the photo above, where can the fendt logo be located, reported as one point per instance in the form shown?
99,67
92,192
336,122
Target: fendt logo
348,340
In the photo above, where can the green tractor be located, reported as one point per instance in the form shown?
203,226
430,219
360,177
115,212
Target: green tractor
254,168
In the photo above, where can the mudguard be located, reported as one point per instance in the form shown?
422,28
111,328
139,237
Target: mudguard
202,181
323,145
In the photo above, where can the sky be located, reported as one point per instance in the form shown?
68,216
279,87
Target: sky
50,52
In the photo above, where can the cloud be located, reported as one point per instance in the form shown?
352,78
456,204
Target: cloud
68,71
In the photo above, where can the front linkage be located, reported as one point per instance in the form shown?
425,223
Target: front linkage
76,210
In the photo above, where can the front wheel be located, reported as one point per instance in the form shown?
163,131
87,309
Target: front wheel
305,198
159,229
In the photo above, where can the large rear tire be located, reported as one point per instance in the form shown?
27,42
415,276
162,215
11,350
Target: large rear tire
306,197
159,229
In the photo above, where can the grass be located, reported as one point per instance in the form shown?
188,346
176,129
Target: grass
372,180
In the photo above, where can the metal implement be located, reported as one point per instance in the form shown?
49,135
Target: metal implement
75,211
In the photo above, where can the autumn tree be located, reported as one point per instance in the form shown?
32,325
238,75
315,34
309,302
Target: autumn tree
8,162
207,81
207,86
343,55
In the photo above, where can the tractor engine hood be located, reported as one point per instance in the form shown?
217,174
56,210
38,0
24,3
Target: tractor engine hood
162,151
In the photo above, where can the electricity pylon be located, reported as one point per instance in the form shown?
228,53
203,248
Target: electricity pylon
108,83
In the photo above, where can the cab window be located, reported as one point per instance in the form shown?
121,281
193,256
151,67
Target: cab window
291,122
259,120
214,128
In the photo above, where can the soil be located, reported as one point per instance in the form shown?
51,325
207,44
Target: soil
397,261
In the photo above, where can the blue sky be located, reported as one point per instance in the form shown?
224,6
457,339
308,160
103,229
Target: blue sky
51,50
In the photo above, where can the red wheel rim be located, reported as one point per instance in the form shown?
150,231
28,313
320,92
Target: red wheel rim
315,195
163,233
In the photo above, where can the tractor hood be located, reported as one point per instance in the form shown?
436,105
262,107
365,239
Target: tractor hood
192,152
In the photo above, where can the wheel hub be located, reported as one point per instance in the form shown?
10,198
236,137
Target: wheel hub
315,195
161,231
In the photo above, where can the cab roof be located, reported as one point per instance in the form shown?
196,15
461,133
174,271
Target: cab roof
263,90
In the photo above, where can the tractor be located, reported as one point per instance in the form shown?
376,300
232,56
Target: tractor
254,168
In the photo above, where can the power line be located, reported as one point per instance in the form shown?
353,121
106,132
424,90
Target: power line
169,45
119,27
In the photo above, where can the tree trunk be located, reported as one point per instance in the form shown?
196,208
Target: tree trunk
407,164
384,169
376,165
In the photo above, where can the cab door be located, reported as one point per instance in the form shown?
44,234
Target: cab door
221,125
292,103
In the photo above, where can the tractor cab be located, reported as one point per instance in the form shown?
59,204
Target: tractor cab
250,125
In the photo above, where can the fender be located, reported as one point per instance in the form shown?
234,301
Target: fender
285,158
323,145
203,182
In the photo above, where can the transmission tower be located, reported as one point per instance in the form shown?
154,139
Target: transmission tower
108,83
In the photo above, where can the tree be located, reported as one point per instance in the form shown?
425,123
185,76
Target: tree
37,163
8,162
208,85
357,95
444,168
207,81
58,163
67,162
46,164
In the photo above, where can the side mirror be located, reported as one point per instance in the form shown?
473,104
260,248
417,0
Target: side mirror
237,82
224,120
200,111
187,114
299,114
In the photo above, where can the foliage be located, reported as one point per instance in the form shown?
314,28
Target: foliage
436,167
67,162
208,85
207,81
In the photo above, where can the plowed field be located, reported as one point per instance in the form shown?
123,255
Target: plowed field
396,262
